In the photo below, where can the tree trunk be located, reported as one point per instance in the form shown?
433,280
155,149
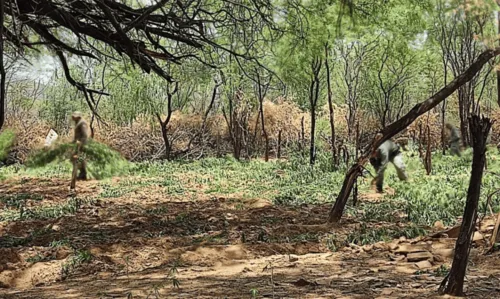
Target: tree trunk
312,149
498,70
443,136
464,109
164,134
302,134
454,281
278,155
313,100
428,153
261,95
330,108
2,67
399,125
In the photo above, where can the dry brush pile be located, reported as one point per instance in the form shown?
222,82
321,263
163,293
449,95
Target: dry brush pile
190,136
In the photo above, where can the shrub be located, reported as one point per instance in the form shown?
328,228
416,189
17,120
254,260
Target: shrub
7,139
102,161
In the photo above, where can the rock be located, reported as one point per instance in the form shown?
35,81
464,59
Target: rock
387,292
397,258
423,264
381,246
302,283
439,259
477,237
444,252
407,248
293,258
367,248
439,225
419,256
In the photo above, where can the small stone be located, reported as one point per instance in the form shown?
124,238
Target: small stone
419,256
423,264
293,258
477,237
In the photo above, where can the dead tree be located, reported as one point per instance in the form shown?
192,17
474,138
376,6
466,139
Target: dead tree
390,91
356,170
164,123
454,282
352,57
313,102
458,42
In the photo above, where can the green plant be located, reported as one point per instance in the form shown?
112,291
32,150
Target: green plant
80,257
7,139
103,162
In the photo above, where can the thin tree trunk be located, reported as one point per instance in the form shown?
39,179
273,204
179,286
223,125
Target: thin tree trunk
279,145
352,174
454,282
312,149
302,134
428,153
2,67
498,70
164,124
330,108
313,100
355,192
262,94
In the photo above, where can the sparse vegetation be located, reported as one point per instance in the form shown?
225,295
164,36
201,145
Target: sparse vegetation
7,139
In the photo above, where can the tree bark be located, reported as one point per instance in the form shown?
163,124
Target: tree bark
262,94
164,124
278,154
396,127
2,67
313,101
498,71
454,282
330,108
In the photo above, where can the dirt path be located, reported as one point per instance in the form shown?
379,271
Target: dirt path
221,247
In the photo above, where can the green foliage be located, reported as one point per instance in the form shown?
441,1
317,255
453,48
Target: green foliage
373,235
21,211
103,162
7,139
80,257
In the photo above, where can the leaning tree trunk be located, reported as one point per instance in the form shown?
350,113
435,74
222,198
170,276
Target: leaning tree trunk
399,125
454,282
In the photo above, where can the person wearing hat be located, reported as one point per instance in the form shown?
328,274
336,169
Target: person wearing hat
81,136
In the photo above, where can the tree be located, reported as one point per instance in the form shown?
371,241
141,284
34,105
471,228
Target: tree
166,31
458,38
454,282
396,127
164,123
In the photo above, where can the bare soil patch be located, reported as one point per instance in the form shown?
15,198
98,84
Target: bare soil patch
220,246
